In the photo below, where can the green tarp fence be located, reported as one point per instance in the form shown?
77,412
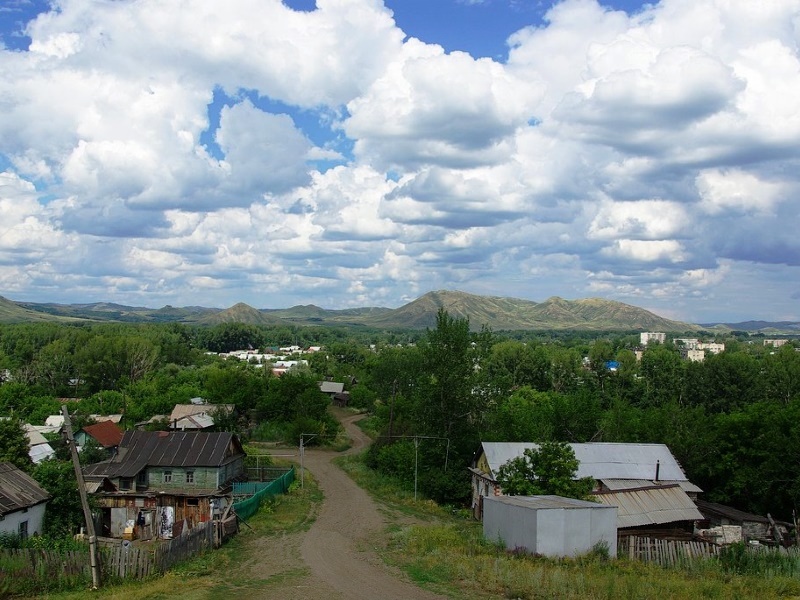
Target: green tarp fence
247,508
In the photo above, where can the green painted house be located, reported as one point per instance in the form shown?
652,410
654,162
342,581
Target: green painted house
157,477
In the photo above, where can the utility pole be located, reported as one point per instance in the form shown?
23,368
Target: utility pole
87,513
391,408
416,463
302,456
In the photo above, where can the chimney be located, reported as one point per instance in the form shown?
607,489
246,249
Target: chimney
658,468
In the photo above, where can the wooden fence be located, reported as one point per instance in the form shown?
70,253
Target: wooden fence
667,553
44,570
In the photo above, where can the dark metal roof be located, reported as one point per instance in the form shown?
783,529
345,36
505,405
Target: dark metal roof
728,512
140,449
18,490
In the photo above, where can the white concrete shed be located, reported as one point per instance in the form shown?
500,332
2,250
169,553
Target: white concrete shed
549,525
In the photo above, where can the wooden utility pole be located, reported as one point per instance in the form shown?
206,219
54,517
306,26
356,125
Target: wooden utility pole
87,513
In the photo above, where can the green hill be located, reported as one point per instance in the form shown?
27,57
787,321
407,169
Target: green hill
239,313
516,314
499,313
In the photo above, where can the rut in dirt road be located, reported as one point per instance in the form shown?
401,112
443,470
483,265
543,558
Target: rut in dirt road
336,548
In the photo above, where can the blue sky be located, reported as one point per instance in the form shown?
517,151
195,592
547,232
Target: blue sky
363,152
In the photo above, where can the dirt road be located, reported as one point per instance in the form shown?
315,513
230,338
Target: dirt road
336,558
339,547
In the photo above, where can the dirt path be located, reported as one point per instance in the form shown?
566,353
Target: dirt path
336,558
338,547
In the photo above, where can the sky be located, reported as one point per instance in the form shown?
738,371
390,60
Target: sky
352,153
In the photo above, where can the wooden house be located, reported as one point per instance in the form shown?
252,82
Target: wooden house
161,482
22,502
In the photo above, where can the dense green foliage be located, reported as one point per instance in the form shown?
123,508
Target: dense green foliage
64,514
14,444
730,420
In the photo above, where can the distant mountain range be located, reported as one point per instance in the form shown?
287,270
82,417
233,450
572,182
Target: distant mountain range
592,314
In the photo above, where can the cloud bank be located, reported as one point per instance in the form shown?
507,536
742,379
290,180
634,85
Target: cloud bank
199,153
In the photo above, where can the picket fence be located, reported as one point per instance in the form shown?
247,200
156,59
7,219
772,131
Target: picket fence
667,553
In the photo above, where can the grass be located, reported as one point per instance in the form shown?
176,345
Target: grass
448,553
389,492
371,425
225,572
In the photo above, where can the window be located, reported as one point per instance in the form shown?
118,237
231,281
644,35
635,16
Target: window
125,483
192,502
23,530
167,476
141,478
189,476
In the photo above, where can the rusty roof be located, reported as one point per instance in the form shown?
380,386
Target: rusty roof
140,449
107,433
18,490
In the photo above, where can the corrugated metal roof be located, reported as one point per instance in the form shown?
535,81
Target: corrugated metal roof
331,387
18,490
35,437
626,484
545,501
195,422
187,410
139,449
733,514
41,452
601,460
656,505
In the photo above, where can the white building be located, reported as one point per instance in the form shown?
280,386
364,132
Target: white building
711,347
650,336
22,502
550,525
775,343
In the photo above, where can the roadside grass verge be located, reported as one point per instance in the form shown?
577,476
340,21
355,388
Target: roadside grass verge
449,554
387,490
222,572
371,425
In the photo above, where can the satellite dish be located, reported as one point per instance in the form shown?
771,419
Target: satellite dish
126,543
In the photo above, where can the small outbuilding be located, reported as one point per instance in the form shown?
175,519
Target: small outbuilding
550,525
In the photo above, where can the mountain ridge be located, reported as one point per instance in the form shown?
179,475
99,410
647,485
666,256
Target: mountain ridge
500,313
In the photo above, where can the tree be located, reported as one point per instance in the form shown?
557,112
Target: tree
662,369
14,444
64,515
548,469
448,404
524,415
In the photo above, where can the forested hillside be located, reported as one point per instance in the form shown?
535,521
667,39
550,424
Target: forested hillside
730,420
